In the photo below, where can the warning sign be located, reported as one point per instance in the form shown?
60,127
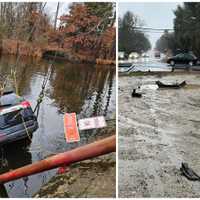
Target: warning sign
91,123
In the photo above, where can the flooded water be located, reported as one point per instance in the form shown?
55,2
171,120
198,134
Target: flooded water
151,65
147,64
155,65
84,89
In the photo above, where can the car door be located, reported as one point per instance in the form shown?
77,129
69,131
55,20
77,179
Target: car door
187,58
179,58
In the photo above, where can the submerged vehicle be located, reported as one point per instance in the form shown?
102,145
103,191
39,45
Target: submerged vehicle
17,119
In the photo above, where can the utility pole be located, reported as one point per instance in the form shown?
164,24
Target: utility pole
56,16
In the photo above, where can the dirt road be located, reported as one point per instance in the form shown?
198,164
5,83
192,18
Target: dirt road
156,134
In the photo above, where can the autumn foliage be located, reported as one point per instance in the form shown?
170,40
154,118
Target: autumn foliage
83,33
86,33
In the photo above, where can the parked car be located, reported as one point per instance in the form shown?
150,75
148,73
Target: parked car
183,58
121,55
157,54
125,63
133,55
145,55
17,119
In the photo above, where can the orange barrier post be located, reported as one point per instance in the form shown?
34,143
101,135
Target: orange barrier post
92,150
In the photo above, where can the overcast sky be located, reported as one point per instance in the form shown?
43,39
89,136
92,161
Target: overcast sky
50,9
154,15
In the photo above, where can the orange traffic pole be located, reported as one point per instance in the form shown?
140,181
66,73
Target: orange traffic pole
88,151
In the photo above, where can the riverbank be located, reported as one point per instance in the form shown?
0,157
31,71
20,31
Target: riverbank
91,178
35,50
156,133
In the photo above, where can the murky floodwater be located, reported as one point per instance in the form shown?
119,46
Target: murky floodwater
147,64
155,65
84,89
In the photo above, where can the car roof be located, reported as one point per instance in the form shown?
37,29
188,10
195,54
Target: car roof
10,99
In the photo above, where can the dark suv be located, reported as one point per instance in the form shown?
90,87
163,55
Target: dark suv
183,58
17,120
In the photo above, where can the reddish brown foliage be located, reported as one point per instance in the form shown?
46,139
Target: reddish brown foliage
19,47
80,27
107,47
82,31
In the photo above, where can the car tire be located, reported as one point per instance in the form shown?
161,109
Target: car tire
172,63
191,63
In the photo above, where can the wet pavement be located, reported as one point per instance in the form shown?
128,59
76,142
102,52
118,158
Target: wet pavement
156,133
154,65
85,89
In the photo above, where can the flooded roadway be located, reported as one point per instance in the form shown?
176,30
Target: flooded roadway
154,65
84,89
147,64
156,133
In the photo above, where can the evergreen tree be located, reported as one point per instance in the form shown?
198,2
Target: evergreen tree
186,36
130,39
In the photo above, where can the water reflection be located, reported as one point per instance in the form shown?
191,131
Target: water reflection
73,86
8,158
85,89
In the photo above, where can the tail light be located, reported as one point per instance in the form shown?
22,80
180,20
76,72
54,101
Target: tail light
26,104
22,105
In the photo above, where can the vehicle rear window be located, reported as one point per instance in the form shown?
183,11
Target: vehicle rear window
14,118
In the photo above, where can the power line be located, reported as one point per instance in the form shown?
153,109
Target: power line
145,31
153,29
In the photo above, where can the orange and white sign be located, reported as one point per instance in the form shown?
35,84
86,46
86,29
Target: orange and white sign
91,123
70,127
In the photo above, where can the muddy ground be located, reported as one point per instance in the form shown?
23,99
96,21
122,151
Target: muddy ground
156,133
91,178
